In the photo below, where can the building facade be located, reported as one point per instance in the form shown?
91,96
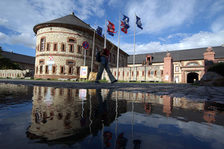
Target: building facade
60,52
182,66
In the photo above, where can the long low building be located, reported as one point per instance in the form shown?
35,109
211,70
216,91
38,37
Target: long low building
182,66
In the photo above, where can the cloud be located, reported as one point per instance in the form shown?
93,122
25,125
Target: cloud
21,16
201,39
218,24
88,8
216,7
2,37
3,21
160,15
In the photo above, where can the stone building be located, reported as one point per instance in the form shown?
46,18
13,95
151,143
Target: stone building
182,66
59,50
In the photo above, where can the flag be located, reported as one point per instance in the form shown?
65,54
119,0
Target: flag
138,22
111,28
123,29
99,30
126,21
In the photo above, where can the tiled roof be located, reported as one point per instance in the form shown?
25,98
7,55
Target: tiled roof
180,55
19,58
67,20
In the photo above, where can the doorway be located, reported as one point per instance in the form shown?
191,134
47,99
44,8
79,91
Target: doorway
192,77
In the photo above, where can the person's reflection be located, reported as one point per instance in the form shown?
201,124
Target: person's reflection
137,144
102,104
121,141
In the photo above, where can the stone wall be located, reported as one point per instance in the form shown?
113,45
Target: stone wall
15,73
152,73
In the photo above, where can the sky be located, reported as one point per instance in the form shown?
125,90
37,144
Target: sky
167,24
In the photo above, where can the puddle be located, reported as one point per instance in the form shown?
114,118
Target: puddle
47,117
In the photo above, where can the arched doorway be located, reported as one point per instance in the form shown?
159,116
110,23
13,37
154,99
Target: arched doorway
191,77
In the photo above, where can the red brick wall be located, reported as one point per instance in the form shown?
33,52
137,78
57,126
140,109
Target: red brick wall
168,69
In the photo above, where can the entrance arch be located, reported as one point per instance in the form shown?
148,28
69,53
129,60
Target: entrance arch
191,77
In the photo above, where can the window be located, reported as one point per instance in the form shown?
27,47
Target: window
41,69
36,69
48,46
148,59
62,69
161,72
71,40
55,46
132,73
41,62
70,63
42,43
193,64
79,49
155,73
149,73
70,70
54,69
63,47
143,73
176,69
71,48
78,71
46,69
137,73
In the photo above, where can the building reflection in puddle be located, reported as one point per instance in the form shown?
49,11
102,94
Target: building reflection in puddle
60,114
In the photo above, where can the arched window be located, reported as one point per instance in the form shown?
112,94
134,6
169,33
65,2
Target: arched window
42,43
192,64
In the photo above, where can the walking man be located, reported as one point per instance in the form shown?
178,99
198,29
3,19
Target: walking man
104,64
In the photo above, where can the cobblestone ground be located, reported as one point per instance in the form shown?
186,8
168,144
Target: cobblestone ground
175,90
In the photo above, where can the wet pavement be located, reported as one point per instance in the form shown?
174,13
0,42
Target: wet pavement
40,114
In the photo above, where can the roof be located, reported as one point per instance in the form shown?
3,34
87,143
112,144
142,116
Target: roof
19,58
66,20
179,55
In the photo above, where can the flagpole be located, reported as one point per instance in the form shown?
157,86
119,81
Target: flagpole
93,49
118,48
134,51
105,35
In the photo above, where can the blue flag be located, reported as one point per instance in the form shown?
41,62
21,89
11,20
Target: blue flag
126,21
99,30
138,22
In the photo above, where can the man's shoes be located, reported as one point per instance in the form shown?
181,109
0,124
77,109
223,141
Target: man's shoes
97,82
114,81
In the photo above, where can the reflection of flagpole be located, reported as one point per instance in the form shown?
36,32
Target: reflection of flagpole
116,114
90,114
105,35
102,134
118,48
93,50
132,122
134,51
82,108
